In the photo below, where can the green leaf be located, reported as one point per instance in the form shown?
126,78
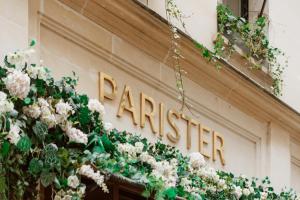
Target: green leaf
27,101
5,148
84,117
35,166
98,149
24,144
170,193
84,99
108,145
32,43
47,178
40,130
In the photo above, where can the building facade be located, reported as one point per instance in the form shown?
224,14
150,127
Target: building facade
119,50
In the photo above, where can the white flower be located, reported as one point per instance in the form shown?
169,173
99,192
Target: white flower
139,147
63,108
73,182
246,192
238,192
76,135
95,106
3,96
18,84
33,111
48,118
88,171
166,172
108,126
19,58
13,135
264,196
37,72
6,106
197,160
146,158
43,102
222,183
127,148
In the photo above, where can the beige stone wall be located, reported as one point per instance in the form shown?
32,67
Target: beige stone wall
14,25
77,49
70,42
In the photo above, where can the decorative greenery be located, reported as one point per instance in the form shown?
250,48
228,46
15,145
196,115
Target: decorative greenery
58,137
258,49
253,36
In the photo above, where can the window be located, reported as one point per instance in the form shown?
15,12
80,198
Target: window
239,7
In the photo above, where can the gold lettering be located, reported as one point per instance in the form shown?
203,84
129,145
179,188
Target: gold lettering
127,96
102,94
150,115
171,137
161,120
190,122
202,141
218,150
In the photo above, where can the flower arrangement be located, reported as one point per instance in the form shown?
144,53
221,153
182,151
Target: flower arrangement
52,136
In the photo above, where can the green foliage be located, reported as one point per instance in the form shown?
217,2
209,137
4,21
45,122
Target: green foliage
253,36
47,178
35,166
40,130
24,144
5,149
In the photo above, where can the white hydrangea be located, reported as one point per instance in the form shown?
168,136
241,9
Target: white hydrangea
264,196
108,126
246,192
13,135
209,173
43,102
88,171
73,182
76,135
238,192
197,160
186,184
48,118
167,172
37,72
146,158
63,108
19,58
33,111
127,148
95,106
18,84
5,105
139,146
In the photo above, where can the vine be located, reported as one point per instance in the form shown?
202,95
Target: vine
258,49
172,12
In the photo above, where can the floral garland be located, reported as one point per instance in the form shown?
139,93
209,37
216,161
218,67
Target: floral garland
52,136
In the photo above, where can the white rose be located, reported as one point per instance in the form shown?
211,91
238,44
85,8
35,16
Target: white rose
197,160
73,182
18,84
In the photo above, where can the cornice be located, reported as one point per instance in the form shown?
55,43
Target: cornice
149,32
